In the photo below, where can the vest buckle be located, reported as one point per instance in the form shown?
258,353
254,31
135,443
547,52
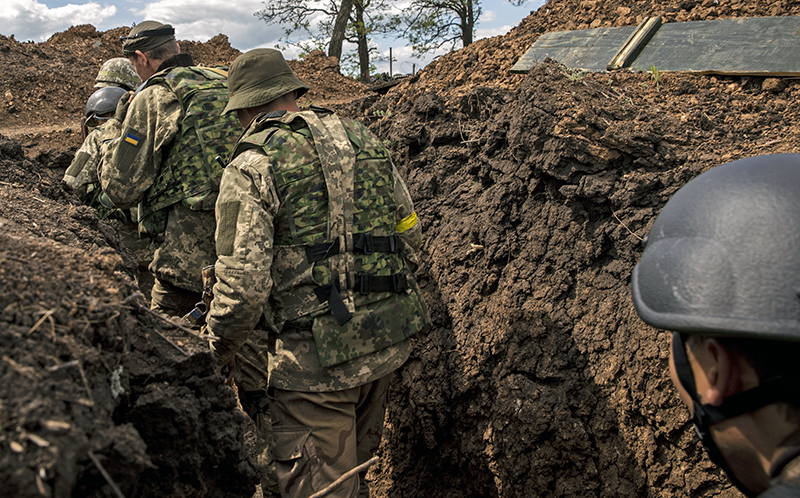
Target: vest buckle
363,284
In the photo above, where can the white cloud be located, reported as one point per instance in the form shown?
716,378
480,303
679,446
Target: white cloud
488,33
487,16
31,20
200,20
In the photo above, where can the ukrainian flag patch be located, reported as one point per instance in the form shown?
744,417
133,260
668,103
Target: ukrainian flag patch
132,139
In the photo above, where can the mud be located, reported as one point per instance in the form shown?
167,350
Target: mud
535,191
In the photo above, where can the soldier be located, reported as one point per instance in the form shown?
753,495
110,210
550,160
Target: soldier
115,78
721,269
118,72
317,231
169,162
161,157
82,172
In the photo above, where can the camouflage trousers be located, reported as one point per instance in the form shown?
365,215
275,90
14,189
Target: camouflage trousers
250,376
319,436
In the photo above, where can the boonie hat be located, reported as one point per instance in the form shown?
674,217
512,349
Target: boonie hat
146,36
118,72
258,77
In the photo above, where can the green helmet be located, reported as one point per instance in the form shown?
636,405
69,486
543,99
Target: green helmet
723,256
104,101
118,72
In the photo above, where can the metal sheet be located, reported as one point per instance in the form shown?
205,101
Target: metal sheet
763,46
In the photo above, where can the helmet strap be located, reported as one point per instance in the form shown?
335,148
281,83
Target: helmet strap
772,390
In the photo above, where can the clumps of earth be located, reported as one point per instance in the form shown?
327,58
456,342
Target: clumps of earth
535,192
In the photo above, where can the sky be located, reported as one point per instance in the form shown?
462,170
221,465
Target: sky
201,20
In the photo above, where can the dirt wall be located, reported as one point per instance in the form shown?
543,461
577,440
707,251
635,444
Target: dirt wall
539,379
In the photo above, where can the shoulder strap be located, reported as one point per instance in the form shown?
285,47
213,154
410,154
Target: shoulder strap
217,70
338,161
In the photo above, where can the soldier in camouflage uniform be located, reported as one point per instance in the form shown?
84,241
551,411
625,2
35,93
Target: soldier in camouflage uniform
118,72
163,156
82,172
115,77
160,157
317,231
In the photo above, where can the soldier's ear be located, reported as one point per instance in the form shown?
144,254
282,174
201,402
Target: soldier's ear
725,372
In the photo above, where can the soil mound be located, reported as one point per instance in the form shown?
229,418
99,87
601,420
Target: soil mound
535,191
94,384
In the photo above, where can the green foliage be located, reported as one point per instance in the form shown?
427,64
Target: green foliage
350,65
433,24
575,74
655,75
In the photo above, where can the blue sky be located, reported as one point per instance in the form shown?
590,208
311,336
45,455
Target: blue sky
200,20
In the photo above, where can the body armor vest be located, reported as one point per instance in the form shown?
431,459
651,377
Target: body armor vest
337,248
191,171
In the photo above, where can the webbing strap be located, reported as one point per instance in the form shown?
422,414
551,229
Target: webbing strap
338,160
364,284
365,243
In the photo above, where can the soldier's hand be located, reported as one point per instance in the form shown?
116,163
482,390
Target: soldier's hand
122,106
227,370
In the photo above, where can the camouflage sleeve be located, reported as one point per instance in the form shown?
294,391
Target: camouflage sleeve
82,171
407,221
136,146
245,210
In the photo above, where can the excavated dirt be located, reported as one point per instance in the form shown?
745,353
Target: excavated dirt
535,192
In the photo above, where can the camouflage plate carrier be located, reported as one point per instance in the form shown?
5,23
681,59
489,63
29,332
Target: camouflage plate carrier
339,261
191,171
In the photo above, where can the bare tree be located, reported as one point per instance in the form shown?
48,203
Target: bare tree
339,28
313,24
433,24
295,18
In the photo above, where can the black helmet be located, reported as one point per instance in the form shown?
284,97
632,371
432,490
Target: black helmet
104,101
723,256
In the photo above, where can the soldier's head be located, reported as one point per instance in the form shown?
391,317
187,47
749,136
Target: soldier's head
149,44
721,270
259,81
102,104
118,72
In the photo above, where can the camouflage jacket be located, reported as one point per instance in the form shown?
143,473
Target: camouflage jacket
137,140
268,199
82,176
82,172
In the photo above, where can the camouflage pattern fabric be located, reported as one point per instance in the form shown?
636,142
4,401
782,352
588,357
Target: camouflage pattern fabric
118,72
190,173
187,247
82,172
171,300
82,176
251,378
135,147
140,136
273,203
